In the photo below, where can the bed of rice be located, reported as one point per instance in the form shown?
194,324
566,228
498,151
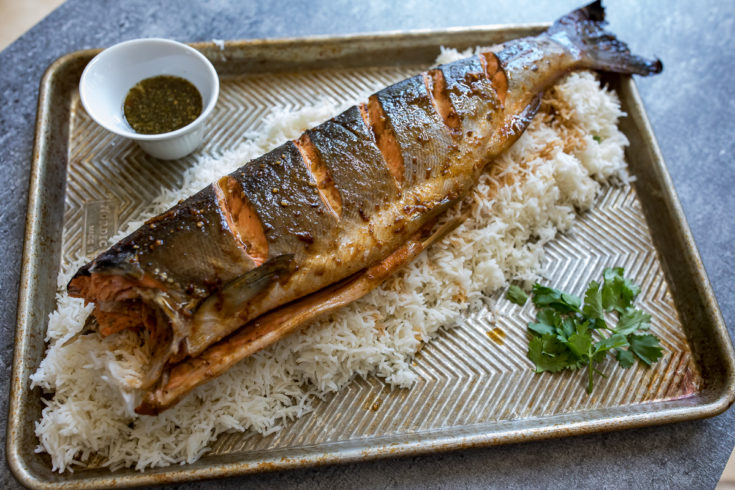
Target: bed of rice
533,191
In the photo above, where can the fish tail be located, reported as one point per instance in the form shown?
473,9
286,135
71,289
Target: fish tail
599,49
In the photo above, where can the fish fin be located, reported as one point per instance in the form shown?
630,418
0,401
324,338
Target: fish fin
432,214
584,29
444,229
274,325
90,327
229,300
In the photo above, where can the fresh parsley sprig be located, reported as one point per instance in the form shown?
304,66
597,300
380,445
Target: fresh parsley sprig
570,335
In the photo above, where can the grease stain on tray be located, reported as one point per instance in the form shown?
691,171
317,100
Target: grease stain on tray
497,335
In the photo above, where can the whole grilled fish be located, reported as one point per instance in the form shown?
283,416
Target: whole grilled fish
322,220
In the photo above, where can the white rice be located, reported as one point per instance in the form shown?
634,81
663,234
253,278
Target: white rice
533,191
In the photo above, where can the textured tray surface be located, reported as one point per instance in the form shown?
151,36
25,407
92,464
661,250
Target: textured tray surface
466,376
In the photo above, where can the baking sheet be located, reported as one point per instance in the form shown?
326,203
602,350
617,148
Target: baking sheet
472,389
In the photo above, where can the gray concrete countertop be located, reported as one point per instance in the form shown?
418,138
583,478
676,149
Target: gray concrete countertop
691,107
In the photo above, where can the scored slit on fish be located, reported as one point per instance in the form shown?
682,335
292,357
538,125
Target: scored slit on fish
386,139
241,219
322,178
436,85
494,72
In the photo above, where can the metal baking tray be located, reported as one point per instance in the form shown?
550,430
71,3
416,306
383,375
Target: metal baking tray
472,390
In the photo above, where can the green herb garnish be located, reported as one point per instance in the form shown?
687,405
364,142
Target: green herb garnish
597,138
516,295
570,335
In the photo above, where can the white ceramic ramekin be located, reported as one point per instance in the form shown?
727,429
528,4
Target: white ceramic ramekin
111,74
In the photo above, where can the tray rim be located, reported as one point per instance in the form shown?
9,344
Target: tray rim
19,386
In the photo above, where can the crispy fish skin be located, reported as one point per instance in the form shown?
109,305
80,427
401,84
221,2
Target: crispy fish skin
339,202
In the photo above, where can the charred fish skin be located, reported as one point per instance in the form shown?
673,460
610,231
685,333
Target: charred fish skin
296,220
335,203
281,191
470,92
346,147
423,140
187,251
298,216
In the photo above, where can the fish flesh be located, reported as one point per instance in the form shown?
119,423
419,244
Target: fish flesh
321,220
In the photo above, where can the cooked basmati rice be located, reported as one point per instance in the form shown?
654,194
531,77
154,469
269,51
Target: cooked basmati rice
532,192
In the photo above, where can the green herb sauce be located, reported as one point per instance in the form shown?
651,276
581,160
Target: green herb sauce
161,104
